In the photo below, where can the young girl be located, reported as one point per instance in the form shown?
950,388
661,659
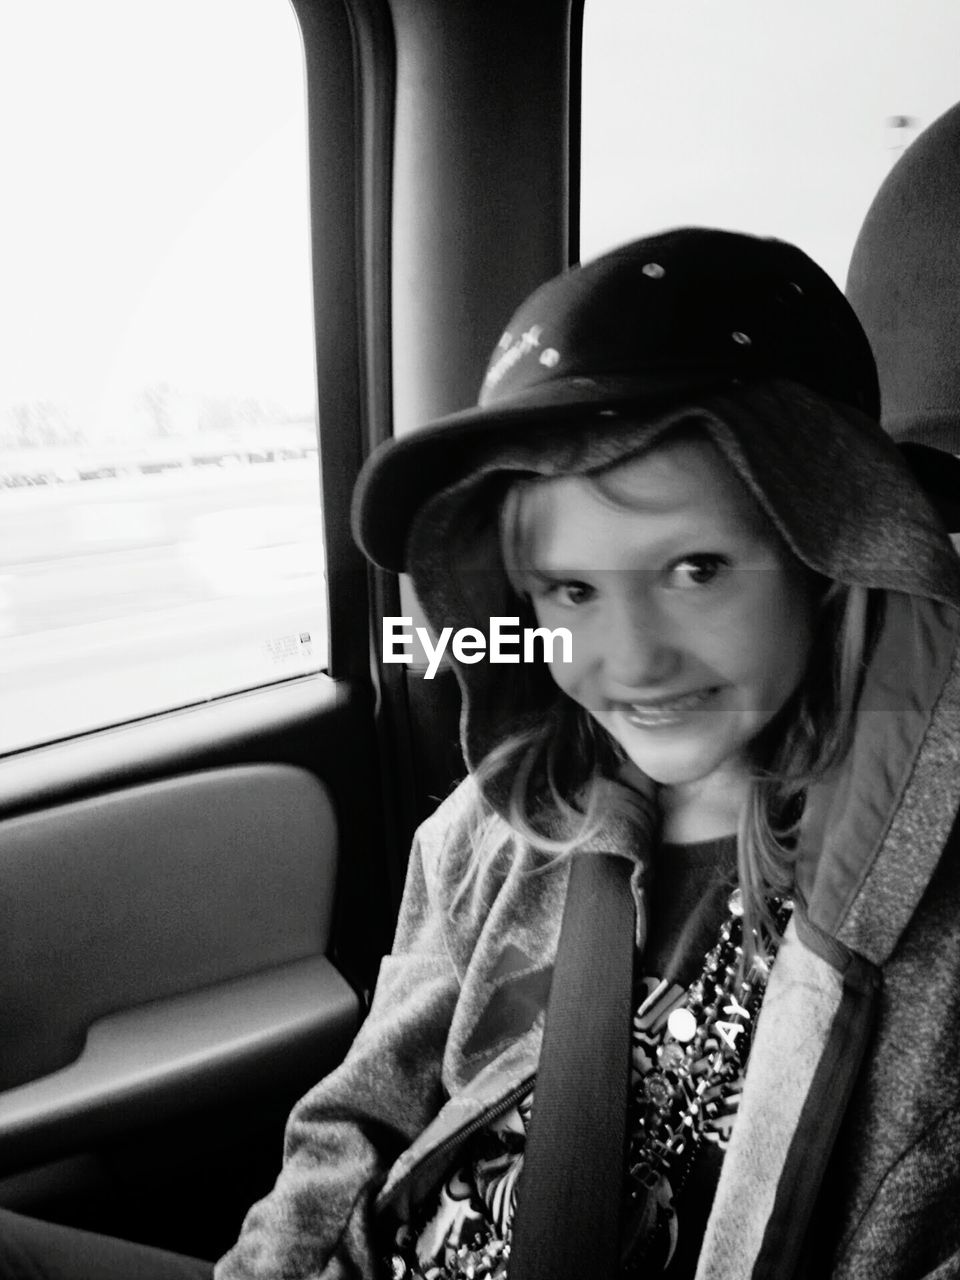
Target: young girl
675,458
740,792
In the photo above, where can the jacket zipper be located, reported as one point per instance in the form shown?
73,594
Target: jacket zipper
830,1091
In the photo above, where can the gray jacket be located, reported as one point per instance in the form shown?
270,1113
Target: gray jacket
845,1158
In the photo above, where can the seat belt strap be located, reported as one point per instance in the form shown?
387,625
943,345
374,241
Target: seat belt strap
569,1198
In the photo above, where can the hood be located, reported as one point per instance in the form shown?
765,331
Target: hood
831,481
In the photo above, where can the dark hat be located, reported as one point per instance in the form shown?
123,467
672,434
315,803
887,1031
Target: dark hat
652,325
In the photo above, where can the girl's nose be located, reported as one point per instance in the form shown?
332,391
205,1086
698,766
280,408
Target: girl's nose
640,652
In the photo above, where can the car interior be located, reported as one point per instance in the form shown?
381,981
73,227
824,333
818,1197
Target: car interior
194,903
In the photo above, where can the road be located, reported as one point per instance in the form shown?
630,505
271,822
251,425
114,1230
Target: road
123,597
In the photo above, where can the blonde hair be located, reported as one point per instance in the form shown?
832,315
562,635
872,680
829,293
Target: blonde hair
555,772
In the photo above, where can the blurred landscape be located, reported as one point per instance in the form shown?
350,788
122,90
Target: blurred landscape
139,578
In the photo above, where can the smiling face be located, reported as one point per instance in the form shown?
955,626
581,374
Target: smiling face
691,620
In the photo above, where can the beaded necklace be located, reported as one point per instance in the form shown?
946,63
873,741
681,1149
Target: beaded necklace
681,1097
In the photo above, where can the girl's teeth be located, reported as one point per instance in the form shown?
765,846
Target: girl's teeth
666,712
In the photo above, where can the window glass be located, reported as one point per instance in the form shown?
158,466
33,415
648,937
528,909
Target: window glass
758,115
160,535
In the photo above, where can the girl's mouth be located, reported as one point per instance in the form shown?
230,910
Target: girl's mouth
666,711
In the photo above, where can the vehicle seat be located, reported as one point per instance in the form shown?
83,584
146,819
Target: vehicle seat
904,283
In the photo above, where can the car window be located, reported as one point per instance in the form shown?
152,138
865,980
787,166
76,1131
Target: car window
777,118
160,533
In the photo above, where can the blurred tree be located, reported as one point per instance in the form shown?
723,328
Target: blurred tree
35,424
158,402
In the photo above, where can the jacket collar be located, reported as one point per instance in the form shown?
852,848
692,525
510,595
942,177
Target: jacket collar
873,832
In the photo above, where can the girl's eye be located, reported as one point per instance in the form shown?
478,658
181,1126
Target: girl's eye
697,571
570,594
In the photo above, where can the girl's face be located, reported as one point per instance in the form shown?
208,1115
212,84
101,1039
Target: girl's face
691,620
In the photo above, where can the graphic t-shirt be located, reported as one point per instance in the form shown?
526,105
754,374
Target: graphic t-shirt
464,1230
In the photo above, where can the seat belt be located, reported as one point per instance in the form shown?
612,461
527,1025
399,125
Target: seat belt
569,1198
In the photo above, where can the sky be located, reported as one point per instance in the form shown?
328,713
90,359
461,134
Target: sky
155,218
154,222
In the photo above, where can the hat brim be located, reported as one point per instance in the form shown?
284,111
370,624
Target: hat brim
402,474
938,474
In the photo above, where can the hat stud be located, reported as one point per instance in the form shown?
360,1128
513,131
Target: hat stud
653,270
550,357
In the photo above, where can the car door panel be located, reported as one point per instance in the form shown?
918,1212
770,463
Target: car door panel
192,880
143,1065
187,935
